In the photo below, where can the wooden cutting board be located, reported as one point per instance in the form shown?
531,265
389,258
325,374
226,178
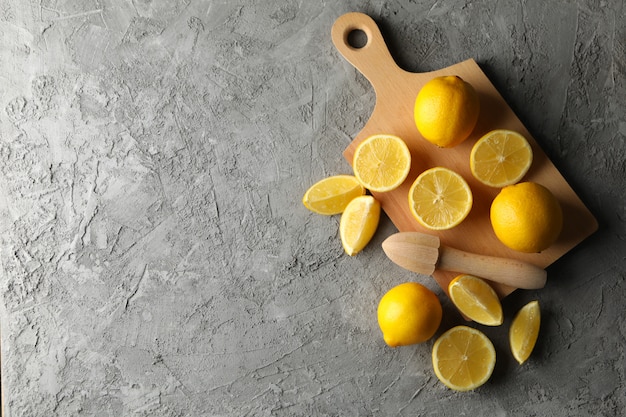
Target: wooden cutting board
396,91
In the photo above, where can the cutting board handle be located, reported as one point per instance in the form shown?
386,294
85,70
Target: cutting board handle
373,59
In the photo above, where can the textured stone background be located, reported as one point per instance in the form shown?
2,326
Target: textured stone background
156,259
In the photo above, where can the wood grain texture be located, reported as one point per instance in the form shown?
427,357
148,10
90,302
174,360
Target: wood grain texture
412,251
396,91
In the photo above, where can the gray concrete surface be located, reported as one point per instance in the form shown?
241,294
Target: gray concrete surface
157,261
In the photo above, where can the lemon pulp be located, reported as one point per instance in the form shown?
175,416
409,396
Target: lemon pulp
500,158
440,198
463,358
524,331
381,162
358,223
476,299
331,195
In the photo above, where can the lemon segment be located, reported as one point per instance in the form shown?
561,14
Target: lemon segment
331,195
440,198
358,223
475,298
500,158
446,110
526,217
381,162
409,313
524,331
463,358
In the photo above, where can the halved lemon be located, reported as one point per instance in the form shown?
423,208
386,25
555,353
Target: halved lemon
440,198
500,158
475,298
524,331
331,195
463,358
358,223
381,162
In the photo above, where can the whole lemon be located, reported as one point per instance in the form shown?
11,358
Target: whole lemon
409,313
446,110
526,217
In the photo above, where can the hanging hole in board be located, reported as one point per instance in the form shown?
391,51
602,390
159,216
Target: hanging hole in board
357,38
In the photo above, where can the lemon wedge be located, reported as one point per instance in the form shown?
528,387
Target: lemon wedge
331,195
358,223
475,298
524,331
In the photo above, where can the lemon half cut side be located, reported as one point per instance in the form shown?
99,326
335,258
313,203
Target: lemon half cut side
500,158
382,162
463,358
440,199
